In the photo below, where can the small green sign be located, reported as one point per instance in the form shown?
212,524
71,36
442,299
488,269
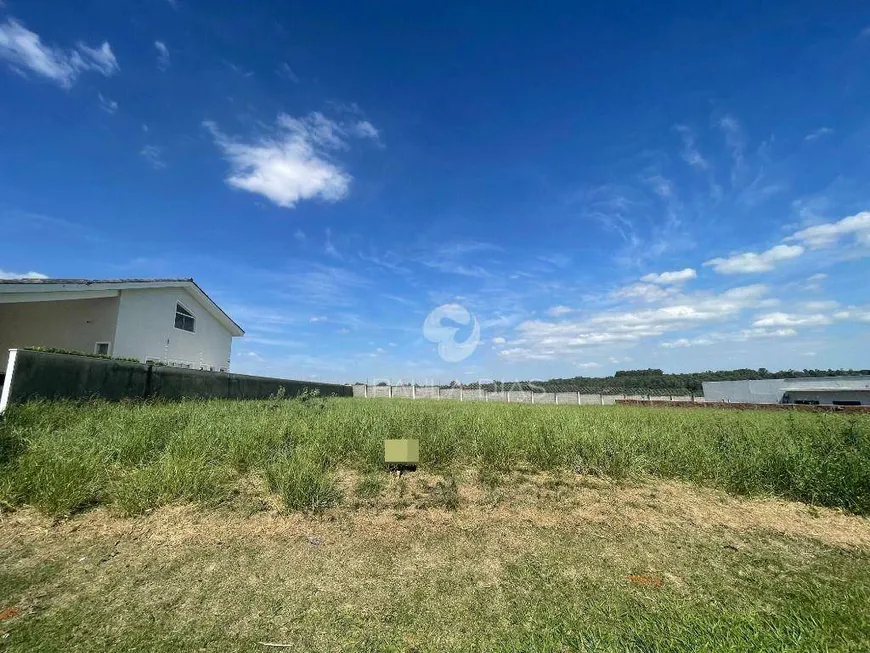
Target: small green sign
401,452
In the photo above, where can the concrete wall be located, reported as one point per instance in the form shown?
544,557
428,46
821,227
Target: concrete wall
76,324
514,396
146,330
33,374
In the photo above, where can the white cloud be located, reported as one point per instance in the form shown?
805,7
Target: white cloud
854,313
558,311
25,52
829,234
587,366
791,320
750,262
738,336
645,292
106,104
154,156
821,276
544,340
677,276
818,133
292,165
21,275
317,318
163,61
498,340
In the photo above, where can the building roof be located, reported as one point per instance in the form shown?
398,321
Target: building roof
88,282
86,285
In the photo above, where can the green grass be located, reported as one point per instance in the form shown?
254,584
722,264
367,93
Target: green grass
525,528
63,457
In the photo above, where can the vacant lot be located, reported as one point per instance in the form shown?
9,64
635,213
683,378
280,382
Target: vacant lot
219,525
62,457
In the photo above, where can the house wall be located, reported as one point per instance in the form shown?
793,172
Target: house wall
76,324
146,330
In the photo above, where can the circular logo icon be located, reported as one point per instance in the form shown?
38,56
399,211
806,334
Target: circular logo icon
435,330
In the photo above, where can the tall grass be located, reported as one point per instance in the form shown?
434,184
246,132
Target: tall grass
65,456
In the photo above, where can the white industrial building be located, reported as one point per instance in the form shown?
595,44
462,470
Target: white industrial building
819,391
168,320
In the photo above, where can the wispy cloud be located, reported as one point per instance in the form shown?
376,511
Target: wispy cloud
818,133
293,164
559,311
691,154
752,262
284,71
25,53
715,337
736,143
453,258
329,247
163,60
21,275
365,129
106,104
645,292
321,285
791,320
154,156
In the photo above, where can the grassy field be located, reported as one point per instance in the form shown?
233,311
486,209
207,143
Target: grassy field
63,457
220,525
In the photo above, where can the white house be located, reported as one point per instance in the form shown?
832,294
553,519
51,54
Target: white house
167,320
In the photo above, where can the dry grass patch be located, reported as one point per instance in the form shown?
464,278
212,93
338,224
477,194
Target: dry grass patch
559,561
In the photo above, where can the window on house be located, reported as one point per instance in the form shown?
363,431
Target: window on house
184,319
101,348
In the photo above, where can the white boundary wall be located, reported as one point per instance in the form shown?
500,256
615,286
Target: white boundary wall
512,396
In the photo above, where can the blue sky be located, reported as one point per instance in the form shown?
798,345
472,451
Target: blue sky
586,189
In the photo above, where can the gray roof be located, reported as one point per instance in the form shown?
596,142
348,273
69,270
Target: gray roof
88,282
